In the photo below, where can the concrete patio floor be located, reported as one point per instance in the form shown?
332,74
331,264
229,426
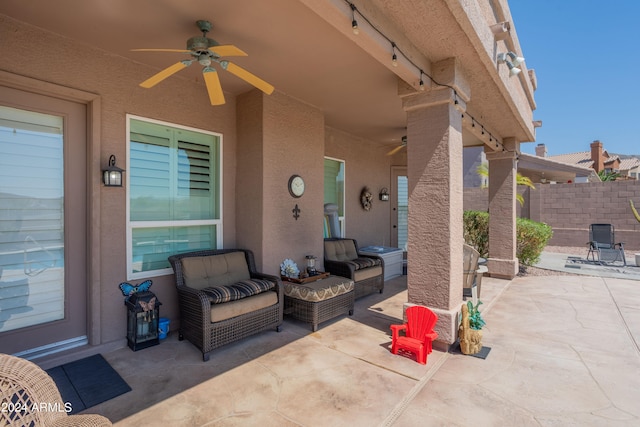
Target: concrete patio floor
564,351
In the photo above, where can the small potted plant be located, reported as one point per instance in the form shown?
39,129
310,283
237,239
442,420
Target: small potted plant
470,331
290,269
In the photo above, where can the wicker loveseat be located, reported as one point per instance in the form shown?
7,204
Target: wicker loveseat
220,298
342,258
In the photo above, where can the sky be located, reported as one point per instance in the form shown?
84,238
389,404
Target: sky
587,62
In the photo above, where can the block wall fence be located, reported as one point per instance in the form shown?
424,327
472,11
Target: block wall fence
570,208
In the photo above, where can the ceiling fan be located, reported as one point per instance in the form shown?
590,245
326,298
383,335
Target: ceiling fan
207,51
403,144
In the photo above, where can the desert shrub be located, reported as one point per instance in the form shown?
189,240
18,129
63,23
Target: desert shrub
476,231
531,236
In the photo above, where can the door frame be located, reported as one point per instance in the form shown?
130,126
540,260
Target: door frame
93,177
396,171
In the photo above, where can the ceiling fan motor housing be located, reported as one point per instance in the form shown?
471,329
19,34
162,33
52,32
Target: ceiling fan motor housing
201,44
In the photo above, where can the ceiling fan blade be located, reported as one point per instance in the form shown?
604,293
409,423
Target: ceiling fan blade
161,50
212,81
227,50
169,71
395,150
247,77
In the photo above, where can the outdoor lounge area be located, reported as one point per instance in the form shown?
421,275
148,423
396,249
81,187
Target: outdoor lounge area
121,149
573,369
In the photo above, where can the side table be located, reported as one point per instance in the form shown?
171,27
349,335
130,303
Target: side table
319,301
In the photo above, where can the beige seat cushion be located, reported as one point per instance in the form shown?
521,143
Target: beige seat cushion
340,250
242,306
212,270
367,273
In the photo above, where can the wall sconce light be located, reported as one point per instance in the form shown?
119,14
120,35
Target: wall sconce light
384,194
537,123
513,62
112,175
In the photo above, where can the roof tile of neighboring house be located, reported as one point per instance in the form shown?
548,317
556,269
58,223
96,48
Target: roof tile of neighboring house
628,164
583,158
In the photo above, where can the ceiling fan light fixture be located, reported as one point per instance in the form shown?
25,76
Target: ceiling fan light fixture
204,60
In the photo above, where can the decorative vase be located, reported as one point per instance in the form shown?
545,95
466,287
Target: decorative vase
470,339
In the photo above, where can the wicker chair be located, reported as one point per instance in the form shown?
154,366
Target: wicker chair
24,384
196,321
342,258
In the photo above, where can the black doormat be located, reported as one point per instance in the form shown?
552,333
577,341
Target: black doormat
88,382
482,354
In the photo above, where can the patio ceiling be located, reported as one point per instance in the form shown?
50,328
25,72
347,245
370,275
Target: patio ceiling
289,45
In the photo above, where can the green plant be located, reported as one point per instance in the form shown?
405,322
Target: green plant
475,318
476,230
483,171
531,236
635,212
608,176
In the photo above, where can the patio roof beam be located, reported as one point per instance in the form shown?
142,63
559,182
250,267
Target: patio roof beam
376,40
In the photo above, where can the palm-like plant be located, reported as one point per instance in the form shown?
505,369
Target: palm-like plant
633,209
483,172
608,176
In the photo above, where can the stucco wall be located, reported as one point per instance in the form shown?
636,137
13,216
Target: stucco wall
181,99
279,137
366,165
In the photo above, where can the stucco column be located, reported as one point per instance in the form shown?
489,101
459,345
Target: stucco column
502,212
434,144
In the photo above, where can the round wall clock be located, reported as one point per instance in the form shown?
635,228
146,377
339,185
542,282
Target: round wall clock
296,186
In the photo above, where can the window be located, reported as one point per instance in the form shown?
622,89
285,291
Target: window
174,194
334,189
31,218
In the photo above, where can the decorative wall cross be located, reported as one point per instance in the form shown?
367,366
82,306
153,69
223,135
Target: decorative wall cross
296,212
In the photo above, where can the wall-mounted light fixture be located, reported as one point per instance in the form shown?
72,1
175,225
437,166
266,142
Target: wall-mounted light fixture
112,175
384,194
512,60
500,30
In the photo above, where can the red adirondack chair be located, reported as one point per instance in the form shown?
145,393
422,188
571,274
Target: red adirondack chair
419,333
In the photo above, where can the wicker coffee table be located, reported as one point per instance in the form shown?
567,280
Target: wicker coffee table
319,301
